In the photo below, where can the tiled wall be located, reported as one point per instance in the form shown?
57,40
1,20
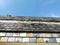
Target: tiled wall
30,37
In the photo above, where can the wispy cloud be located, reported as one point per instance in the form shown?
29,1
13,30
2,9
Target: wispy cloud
53,15
47,2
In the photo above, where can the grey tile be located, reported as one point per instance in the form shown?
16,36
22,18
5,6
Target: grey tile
52,40
33,40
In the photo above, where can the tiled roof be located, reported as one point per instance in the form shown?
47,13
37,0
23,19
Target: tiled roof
48,26
29,27
48,19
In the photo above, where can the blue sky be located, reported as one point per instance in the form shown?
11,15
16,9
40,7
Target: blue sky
38,8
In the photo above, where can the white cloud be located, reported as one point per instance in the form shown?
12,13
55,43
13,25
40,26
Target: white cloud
53,15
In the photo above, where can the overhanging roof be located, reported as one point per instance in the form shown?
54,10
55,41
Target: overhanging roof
47,19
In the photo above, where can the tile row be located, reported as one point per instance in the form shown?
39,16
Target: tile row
30,40
30,34
18,25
